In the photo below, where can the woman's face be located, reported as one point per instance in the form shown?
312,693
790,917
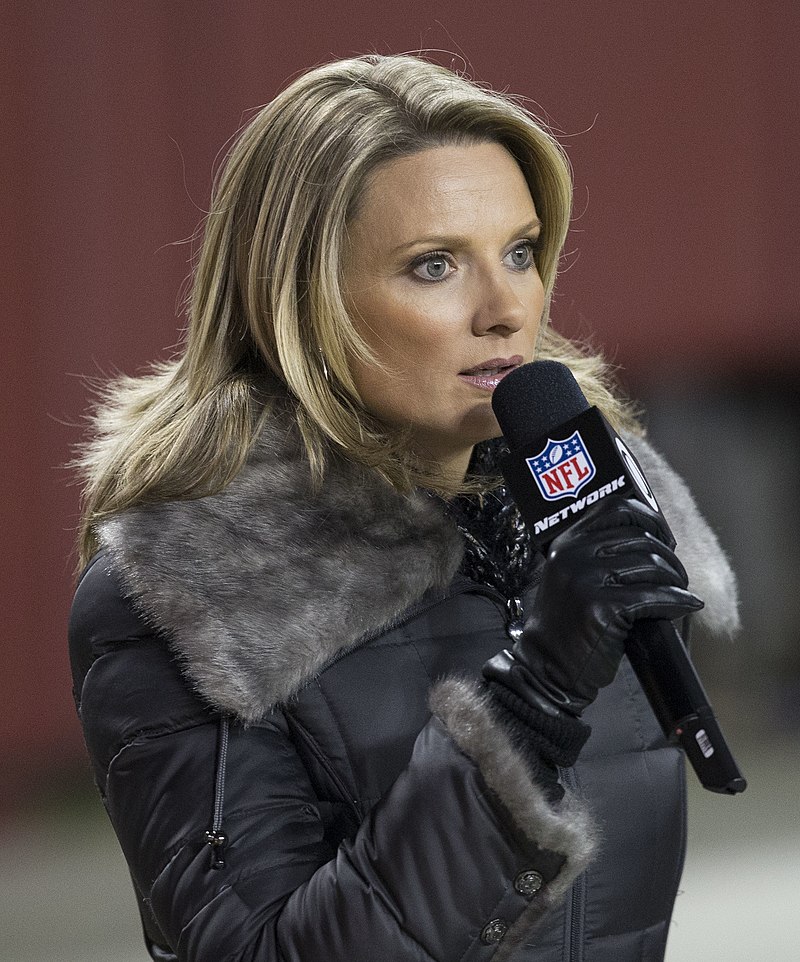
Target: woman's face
441,283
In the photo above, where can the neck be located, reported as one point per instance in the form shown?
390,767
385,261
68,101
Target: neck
452,466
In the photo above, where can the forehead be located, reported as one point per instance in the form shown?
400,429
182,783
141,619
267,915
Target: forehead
444,188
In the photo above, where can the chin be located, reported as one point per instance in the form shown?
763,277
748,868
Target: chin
481,425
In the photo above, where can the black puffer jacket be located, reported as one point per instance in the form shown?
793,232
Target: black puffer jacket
279,695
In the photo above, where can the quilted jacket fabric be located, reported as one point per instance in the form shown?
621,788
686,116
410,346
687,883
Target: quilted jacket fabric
279,692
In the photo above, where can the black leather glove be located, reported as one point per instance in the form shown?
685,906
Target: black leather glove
610,569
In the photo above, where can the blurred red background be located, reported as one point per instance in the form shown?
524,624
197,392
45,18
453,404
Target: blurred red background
680,120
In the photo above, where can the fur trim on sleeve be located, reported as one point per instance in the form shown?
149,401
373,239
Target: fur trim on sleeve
565,828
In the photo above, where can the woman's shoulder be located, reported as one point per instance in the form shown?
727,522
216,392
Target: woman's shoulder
101,615
100,607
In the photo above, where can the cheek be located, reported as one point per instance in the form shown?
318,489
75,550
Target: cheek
401,330
411,351
390,395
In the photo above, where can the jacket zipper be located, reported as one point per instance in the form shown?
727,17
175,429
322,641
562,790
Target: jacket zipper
215,837
576,906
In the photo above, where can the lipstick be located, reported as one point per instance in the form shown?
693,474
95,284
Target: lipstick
488,374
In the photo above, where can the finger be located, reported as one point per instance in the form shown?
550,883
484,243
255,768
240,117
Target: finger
646,568
618,512
668,603
623,553
623,544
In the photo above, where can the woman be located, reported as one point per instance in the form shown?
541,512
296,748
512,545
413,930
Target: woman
300,568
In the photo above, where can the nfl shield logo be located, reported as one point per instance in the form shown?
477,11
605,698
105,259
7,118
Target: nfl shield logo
562,468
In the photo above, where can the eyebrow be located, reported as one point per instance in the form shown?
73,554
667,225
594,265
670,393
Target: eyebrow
443,240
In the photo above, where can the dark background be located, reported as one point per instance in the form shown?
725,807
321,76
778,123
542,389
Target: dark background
681,123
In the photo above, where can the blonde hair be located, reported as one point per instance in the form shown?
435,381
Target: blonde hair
266,311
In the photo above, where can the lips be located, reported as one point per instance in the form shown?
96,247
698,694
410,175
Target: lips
489,374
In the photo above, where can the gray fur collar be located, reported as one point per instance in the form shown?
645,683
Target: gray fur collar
259,586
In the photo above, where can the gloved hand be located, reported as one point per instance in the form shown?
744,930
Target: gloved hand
610,569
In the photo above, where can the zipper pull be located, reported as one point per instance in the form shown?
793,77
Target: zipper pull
215,837
515,618
217,840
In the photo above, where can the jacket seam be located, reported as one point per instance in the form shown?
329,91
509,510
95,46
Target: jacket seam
424,667
143,735
342,737
298,731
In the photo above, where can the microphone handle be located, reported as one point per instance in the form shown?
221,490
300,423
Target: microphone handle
658,655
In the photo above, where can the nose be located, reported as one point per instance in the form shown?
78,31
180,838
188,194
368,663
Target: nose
503,303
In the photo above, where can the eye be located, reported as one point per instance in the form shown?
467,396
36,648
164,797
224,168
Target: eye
521,255
432,267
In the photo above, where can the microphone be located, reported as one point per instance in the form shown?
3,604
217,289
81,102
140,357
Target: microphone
564,457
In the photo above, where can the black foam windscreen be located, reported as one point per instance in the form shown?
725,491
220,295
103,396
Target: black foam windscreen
534,399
